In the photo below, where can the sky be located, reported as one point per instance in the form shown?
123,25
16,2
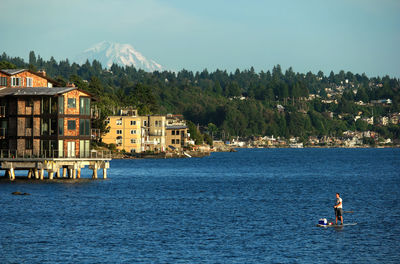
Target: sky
361,36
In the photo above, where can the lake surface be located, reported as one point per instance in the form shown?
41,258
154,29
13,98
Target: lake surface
252,206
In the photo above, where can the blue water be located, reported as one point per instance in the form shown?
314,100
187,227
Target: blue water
253,206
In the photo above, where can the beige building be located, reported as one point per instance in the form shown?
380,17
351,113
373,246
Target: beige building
176,137
153,133
124,131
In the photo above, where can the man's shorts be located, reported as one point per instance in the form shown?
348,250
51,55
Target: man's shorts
338,212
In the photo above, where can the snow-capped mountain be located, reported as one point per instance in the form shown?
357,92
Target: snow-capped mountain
108,53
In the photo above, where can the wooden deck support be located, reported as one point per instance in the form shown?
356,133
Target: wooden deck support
37,167
12,174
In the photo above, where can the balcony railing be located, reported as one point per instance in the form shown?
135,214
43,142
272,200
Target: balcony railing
48,154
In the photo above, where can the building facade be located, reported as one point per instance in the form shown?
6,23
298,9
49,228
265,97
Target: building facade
124,131
176,137
153,133
20,78
37,119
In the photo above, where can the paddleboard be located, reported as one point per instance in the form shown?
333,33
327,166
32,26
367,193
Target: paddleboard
339,225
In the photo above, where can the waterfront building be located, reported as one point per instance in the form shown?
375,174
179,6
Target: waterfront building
150,133
40,122
153,133
176,132
124,130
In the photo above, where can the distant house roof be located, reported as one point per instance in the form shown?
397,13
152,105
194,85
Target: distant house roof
176,127
35,91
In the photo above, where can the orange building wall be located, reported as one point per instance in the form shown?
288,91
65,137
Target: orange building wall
38,81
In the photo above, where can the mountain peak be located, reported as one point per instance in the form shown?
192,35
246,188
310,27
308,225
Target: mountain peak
108,53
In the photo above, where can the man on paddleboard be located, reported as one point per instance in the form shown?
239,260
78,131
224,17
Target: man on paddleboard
338,208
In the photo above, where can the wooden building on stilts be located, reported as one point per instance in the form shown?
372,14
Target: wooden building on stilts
46,128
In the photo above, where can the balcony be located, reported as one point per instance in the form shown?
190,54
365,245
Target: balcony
95,134
49,154
94,113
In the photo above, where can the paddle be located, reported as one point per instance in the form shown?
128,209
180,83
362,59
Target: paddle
348,212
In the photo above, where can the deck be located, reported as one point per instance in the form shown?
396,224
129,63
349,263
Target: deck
53,163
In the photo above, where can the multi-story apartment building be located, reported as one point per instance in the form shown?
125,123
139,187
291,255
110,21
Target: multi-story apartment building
176,132
124,130
153,133
176,137
38,120
136,134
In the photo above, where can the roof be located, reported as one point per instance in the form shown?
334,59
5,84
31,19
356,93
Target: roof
12,71
176,127
16,71
35,91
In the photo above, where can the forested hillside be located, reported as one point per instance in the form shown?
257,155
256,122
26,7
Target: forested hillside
243,103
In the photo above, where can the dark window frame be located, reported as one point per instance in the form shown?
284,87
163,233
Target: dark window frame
69,125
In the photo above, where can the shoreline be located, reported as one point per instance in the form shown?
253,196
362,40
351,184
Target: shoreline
195,154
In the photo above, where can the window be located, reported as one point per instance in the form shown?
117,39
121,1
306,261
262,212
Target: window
119,122
71,124
15,81
61,104
29,122
145,123
28,143
173,141
53,127
84,148
29,82
61,126
177,132
84,106
119,132
71,103
3,81
29,102
133,150
45,126
84,127
133,132
173,132
133,141
177,141
133,123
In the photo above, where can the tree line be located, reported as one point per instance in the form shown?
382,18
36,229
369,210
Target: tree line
241,103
